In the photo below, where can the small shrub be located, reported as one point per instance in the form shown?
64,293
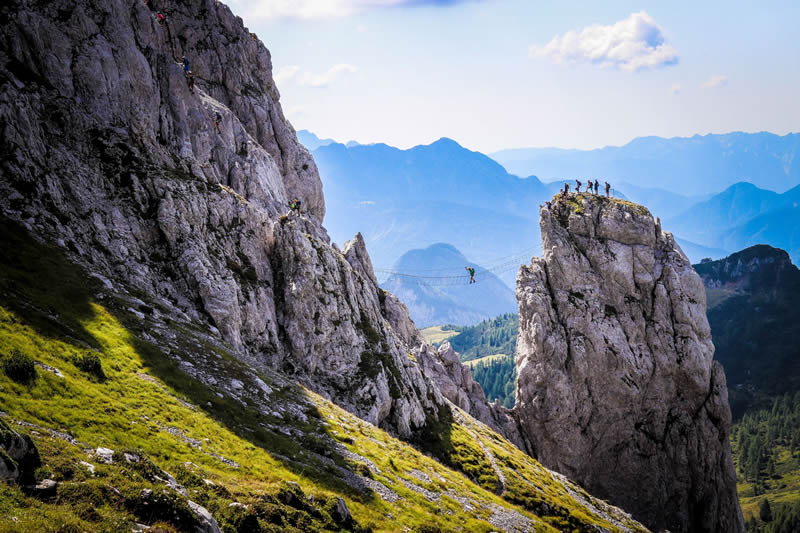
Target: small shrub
19,367
187,478
91,364
161,506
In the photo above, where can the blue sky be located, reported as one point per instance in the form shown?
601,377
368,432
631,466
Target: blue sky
496,74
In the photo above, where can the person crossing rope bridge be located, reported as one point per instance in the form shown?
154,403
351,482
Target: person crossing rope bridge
471,271
446,276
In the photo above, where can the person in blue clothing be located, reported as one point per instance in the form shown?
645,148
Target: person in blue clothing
186,66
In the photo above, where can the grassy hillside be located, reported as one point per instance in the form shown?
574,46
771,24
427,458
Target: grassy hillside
485,359
766,448
114,370
497,376
437,334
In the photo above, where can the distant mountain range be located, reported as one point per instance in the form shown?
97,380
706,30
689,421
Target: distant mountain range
312,142
743,215
442,192
702,164
434,297
755,322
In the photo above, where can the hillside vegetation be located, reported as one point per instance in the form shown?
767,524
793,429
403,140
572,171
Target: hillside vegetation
493,336
755,323
497,376
266,456
766,445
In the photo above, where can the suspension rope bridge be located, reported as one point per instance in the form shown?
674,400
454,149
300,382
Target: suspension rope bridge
441,277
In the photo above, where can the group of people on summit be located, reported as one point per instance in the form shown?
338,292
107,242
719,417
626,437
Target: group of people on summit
590,187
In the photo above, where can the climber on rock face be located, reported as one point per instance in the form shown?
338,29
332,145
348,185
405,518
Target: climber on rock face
190,81
161,18
217,121
608,188
578,185
186,66
471,274
294,206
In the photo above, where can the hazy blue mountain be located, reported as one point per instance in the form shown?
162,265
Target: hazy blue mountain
742,215
696,252
441,294
663,203
311,141
696,165
780,228
442,192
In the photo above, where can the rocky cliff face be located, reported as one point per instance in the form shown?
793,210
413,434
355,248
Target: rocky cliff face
616,384
106,151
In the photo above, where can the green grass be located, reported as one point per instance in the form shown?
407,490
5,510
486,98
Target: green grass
437,334
575,202
486,359
144,403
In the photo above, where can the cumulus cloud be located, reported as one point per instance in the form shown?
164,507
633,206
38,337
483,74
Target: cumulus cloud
715,81
631,44
286,73
310,9
310,79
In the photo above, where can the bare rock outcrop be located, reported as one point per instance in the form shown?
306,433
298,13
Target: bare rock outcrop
617,388
183,195
454,380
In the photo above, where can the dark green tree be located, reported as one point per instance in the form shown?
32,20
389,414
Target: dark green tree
765,511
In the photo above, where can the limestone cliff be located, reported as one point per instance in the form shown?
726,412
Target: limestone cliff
107,151
616,383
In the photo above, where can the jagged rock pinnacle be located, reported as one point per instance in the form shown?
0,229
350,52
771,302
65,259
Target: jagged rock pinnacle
616,383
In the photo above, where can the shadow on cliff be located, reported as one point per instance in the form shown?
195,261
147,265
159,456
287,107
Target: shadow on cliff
55,297
39,284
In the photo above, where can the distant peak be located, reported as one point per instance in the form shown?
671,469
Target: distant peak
445,141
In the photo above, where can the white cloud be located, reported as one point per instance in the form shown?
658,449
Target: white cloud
286,73
366,202
296,111
311,9
631,44
715,81
309,79
676,88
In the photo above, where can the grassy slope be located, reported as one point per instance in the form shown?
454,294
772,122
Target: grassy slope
51,311
784,488
486,359
437,334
